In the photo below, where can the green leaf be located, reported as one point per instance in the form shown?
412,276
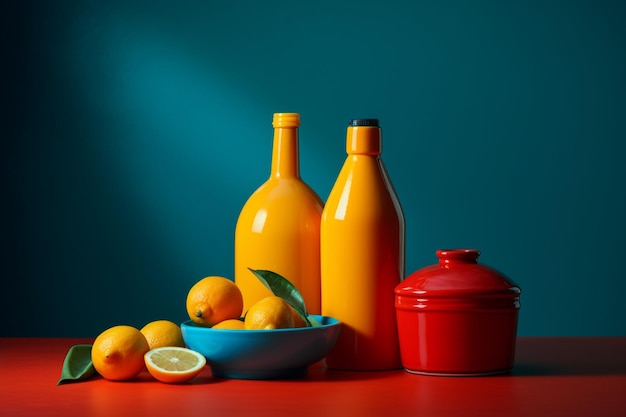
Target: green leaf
314,323
283,288
77,365
304,317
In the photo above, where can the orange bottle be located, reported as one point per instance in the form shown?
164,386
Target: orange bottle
362,255
278,228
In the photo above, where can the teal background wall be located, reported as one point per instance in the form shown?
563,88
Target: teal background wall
136,130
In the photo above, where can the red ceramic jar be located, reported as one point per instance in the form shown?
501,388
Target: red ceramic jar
457,317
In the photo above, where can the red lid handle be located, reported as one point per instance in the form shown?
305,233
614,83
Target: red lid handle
448,257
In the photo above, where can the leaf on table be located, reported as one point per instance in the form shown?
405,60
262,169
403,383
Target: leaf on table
283,288
77,365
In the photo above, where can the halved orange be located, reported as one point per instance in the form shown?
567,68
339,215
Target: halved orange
173,364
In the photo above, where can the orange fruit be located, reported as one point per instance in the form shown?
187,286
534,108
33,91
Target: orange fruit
117,353
230,324
161,333
214,299
172,364
269,313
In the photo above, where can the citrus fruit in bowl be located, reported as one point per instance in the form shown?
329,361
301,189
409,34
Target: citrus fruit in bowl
214,299
264,353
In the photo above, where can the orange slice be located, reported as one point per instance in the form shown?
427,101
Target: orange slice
173,364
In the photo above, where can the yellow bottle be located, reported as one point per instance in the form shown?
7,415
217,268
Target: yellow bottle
362,255
278,228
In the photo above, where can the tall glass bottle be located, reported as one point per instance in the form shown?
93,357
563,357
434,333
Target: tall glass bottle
362,255
278,228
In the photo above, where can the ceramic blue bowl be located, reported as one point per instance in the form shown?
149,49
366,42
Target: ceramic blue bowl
262,354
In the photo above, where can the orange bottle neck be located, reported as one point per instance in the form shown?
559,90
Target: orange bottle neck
285,153
363,140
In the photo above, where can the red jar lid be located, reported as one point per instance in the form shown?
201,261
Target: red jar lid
458,273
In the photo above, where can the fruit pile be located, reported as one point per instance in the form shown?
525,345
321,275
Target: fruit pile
217,302
122,352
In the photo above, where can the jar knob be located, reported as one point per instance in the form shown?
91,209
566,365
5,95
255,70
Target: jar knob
448,257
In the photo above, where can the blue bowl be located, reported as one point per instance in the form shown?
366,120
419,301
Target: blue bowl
262,354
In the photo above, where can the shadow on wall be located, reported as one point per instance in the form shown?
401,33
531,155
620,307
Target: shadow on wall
139,132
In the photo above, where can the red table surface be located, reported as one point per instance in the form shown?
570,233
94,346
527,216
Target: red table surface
555,376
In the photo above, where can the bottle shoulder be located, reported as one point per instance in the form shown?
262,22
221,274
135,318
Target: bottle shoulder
282,199
365,179
363,189
289,188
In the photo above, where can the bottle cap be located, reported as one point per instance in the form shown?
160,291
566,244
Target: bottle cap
364,122
286,120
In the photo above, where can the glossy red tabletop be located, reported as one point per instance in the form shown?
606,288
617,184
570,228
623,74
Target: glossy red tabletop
552,377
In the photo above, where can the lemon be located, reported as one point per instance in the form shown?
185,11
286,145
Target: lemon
230,324
173,364
214,299
161,333
117,353
269,313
